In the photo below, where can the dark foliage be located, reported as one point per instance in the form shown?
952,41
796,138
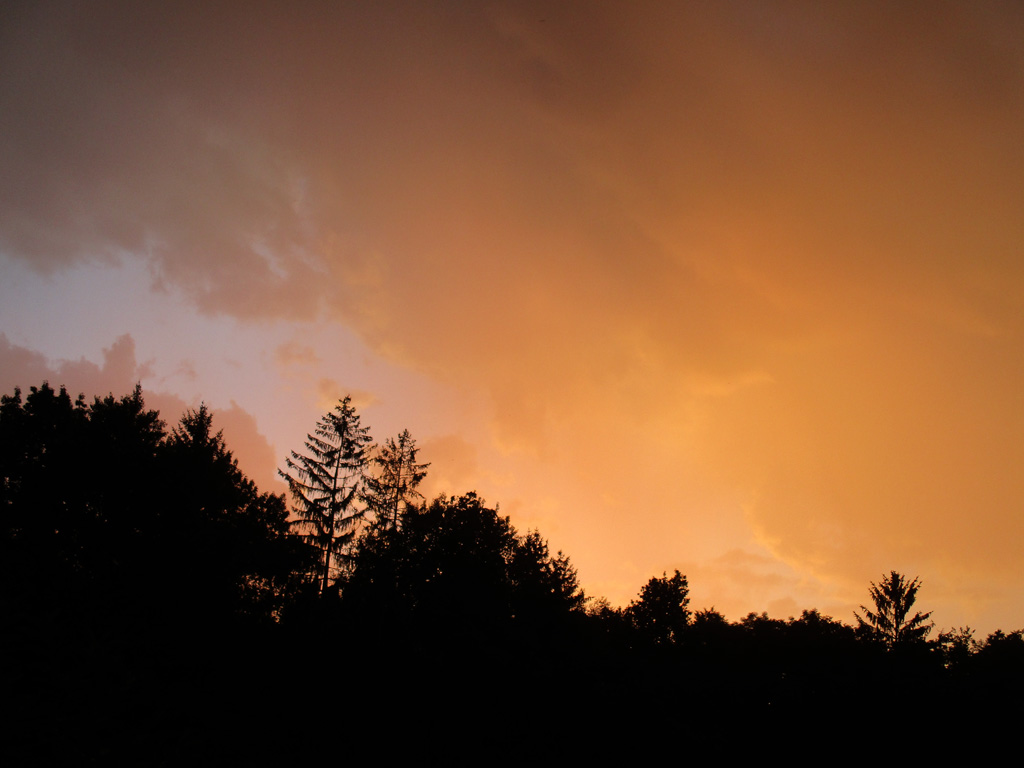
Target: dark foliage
457,566
103,512
133,562
660,613
241,556
158,610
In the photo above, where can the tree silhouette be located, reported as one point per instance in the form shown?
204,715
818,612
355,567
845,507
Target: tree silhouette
546,584
77,498
457,564
102,512
241,556
957,647
327,485
890,622
393,487
660,612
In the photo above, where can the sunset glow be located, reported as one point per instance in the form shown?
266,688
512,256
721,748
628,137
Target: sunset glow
730,288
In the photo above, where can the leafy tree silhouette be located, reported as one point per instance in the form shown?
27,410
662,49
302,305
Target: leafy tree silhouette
660,612
545,585
456,565
957,646
77,496
103,507
891,623
128,557
327,486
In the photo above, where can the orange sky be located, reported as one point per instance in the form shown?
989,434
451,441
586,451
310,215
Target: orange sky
734,288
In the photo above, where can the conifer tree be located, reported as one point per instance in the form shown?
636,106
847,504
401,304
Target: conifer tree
241,556
392,488
891,623
327,485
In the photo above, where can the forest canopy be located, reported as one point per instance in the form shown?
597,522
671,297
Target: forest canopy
144,550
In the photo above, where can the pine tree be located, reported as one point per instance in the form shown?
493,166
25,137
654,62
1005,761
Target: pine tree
393,488
327,486
893,597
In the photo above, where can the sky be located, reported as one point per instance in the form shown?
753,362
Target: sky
734,288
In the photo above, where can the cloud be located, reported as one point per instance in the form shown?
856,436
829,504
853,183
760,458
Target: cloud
21,367
454,466
293,354
728,276
329,392
118,375
255,455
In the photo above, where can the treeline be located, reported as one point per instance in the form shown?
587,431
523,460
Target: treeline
159,608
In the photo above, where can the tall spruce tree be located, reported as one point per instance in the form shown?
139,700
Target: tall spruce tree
891,623
392,488
327,486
